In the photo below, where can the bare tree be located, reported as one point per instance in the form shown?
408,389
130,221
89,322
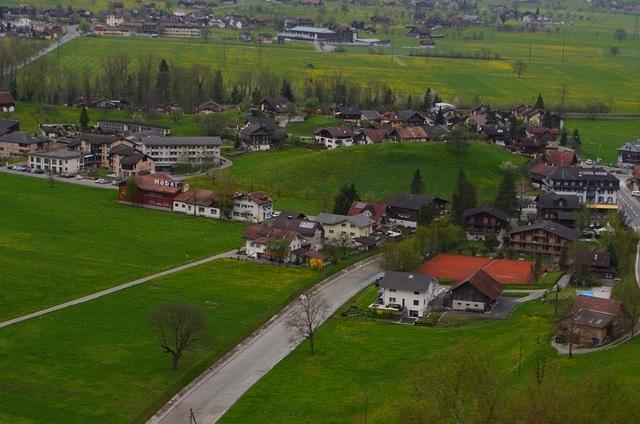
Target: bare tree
178,327
309,312
519,66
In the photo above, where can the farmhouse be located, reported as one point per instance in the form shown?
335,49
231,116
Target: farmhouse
404,208
412,118
410,134
19,143
155,191
374,135
347,113
57,161
335,137
7,104
271,243
260,134
413,292
593,321
545,238
197,202
209,107
560,208
344,227
629,153
275,106
477,293
252,207
483,221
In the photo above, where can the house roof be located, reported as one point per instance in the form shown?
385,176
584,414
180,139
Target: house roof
7,124
597,258
348,110
595,311
577,173
258,197
6,99
292,222
154,140
376,135
551,200
631,146
19,137
95,139
594,319
378,210
411,133
131,158
495,212
159,182
58,154
406,281
359,220
199,197
338,132
551,227
210,105
371,115
405,115
265,235
560,158
482,281
412,201
312,29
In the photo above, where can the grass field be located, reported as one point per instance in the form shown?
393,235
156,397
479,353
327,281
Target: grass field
363,362
307,180
99,362
600,137
62,242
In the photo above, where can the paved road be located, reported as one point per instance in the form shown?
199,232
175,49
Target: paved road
629,205
85,181
218,388
72,32
114,289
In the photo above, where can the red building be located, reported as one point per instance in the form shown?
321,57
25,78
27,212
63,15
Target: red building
155,191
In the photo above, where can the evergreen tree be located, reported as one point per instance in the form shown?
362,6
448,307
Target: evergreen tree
217,90
162,82
439,118
576,142
256,96
563,137
388,97
286,91
417,185
347,194
84,118
539,102
409,102
236,96
547,121
427,214
427,100
464,198
507,197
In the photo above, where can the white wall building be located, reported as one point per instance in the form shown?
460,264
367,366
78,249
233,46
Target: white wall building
343,226
414,292
57,161
252,207
197,202
170,151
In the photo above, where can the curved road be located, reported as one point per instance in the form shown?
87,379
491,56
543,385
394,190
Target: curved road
219,387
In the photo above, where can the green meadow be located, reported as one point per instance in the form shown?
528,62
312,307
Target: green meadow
307,180
58,243
601,137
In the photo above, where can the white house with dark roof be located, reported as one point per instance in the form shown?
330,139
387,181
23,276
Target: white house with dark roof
255,206
344,226
170,151
414,292
593,186
629,153
335,137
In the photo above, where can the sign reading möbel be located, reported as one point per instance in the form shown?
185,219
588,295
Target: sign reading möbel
165,183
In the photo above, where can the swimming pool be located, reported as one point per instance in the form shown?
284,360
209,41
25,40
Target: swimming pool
587,293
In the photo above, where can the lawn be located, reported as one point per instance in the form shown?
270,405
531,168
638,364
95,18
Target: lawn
600,137
307,180
63,242
99,362
308,127
363,365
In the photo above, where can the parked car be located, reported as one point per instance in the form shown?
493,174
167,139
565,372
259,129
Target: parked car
635,193
78,177
36,171
101,181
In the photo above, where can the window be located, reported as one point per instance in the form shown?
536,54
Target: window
392,290
392,300
416,303
416,292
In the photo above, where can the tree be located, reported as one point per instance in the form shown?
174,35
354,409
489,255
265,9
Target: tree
507,198
594,107
226,190
402,256
439,120
459,138
629,294
491,242
563,137
163,81
576,142
307,315
236,96
619,34
417,185
427,100
178,327
84,118
217,89
132,192
614,50
347,194
278,250
539,102
427,214
464,198
286,91
519,66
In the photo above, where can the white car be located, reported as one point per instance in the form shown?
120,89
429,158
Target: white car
101,181
589,162
635,193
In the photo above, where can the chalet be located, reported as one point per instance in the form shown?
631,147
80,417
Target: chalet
545,238
531,145
311,231
371,116
560,208
404,208
409,134
8,126
476,293
274,106
20,143
593,322
390,118
413,292
337,227
347,113
598,261
126,161
375,211
254,206
209,107
7,104
375,135
485,220
197,202
593,186
629,153
271,243
334,137
541,134
412,118
260,134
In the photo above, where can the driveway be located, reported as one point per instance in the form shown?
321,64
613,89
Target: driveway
218,388
84,181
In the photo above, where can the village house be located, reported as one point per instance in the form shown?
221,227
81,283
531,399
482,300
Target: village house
409,134
260,134
560,157
545,238
271,243
334,137
209,107
20,143
629,153
7,104
126,161
413,118
370,116
560,208
477,293
197,202
593,322
376,211
254,206
57,161
374,135
404,208
347,113
485,220
312,231
413,292
344,227
598,261
274,106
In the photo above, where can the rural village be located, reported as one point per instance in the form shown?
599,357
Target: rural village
305,243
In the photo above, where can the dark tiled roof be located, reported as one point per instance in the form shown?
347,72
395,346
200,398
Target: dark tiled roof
575,173
495,212
598,258
411,201
551,200
552,227
484,283
406,281
338,132
19,137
